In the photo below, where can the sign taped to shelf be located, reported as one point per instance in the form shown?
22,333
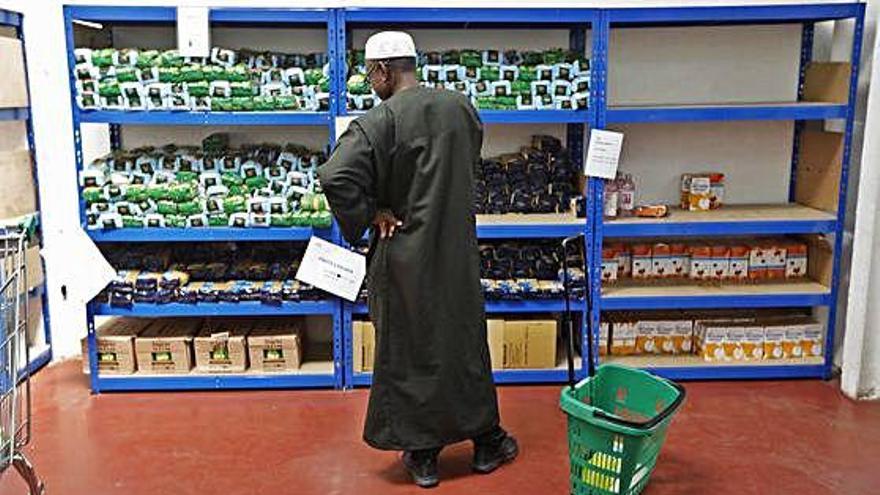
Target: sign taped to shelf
603,154
193,33
342,124
332,268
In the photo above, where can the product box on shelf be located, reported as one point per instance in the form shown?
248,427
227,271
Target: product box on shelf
812,343
738,265
624,332
166,346
646,336
792,340
680,260
701,262
610,267
775,255
712,334
661,261
275,346
642,262
115,346
624,260
515,335
795,260
720,255
221,346
753,342
774,338
758,259
495,338
604,337
529,344
363,346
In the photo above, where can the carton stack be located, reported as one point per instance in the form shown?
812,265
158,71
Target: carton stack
221,346
364,346
275,345
115,345
165,347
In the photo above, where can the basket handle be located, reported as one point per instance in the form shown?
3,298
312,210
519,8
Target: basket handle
567,320
647,425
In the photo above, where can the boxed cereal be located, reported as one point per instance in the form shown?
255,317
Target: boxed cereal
680,260
738,266
661,259
701,262
642,261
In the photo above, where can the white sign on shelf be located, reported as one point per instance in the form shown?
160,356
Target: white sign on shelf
342,124
603,154
193,32
332,268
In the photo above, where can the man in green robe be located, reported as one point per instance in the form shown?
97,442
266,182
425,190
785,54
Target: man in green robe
406,169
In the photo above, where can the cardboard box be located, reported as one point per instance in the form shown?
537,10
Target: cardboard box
753,343
166,346
275,346
624,260
515,335
795,260
733,342
701,262
774,335
604,337
357,346
646,337
757,262
609,265
13,90
680,260
661,261
738,267
712,335
720,262
369,345
791,341
642,261
683,336
813,342
623,337
17,191
115,345
775,255
541,344
495,338
221,346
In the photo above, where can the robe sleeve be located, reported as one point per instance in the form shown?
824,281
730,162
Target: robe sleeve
348,179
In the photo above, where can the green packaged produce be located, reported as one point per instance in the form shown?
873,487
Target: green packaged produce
147,58
555,56
314,76
285,103
183,192
470,58
221,104
238,73
301,218
109,87
159,192
531,58
242,88
282,220
189,208
128,74
230,179
171,58
213,73
358,85
136,193
490,73
192,73
234,204
243,104
307,201
321,219
176,221
218,220
450,57
239,190
527,74
187,176
264,103
132,222
93,195
103,57
166,207
256,182
169,74
324,84
520,87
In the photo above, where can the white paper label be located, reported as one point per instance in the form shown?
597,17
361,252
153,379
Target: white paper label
332,268
193,33
342,124
603,154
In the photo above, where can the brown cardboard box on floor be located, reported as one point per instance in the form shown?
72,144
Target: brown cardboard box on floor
275,346
495,338
221,346
165,347
515,334
115,345
369,345
541,344
357,346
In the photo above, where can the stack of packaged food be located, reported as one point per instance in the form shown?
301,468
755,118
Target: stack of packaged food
527,270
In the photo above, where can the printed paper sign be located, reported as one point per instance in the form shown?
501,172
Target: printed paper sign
332,268
603,154
342,124
193,33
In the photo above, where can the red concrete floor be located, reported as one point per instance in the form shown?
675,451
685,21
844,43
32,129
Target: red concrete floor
799,437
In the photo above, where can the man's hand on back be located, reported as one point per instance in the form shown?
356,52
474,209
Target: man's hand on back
387,223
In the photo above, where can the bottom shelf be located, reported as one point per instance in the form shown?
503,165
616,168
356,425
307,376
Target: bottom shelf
695,368
314,374
40,356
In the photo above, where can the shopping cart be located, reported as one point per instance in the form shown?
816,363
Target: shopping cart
617,416
15,389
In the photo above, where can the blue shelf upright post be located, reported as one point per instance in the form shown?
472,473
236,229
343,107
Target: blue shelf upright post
806,56
855,58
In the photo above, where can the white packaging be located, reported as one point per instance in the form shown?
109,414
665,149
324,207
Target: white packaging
525,102
258,205
275,89
222,56
500,88
609,269
157,95
259,220
581,84
481,88
563,103
110,221
753,343
154,220
294,76
561,88
220,89
544,72
564,70
433,73
472,73
82,56
194,221
580,101
88,101
491,57
508,72
112,103
200,103
453,73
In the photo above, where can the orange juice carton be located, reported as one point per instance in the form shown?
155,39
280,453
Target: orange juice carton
641,261
773,338
753,342
664,336
812,342
701,262
795,260
792,339
733,342
661,260
646,337
680,260
609,265
624,260
716,190
683,336
712,336
699,197
623,338
720,262
775,260
758,262
604,336
738,266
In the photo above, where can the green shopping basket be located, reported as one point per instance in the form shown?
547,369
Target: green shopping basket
617,417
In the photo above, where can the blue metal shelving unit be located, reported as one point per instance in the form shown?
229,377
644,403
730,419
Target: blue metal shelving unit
15,21
600,23
112,15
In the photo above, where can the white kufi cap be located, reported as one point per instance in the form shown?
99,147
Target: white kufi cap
390,44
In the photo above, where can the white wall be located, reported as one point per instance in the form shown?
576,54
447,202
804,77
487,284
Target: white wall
765,53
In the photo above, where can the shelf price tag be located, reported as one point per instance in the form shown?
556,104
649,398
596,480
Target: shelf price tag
332,268
603,154
193,33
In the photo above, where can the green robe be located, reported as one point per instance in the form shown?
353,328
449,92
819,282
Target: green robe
414,154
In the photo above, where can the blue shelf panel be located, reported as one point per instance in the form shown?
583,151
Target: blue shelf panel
273,16
469,16
207,234
528,226
806,294
554,375
23,113
717,15
706,113
521,306
204,118
214,382
37,362
9,18
96,13
250,308
729,220
522,116
693,368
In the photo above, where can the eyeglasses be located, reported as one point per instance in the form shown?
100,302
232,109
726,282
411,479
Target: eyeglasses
373,68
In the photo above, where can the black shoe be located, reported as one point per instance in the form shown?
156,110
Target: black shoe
492,450
422,466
